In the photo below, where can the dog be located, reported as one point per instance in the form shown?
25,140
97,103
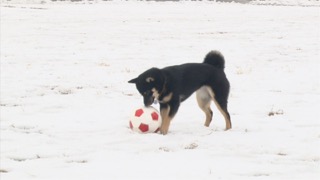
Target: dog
172,85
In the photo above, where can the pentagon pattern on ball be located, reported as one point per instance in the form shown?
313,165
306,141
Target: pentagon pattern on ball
144,127
139,112
155,116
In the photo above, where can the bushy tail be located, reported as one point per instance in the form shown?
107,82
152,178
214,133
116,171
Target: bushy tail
215,58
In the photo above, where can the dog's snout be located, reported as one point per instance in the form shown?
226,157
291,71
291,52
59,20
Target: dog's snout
148,98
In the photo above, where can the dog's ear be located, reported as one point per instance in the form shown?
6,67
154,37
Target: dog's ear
133,80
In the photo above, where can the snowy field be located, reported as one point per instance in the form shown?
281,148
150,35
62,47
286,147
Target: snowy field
66,103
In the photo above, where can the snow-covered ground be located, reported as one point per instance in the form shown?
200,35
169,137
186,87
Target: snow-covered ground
254,2
66,103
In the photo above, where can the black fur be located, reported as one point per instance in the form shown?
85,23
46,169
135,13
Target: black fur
215,59
174,84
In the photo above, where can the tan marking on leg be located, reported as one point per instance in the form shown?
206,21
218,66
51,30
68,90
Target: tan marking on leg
211,92
166,119
226,118
208,117
204,101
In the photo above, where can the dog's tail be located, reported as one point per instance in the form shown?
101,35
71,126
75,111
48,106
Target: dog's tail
215,58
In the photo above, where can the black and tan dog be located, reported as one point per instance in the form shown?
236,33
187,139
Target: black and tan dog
174,84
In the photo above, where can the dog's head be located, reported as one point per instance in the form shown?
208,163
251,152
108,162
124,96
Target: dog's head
149,84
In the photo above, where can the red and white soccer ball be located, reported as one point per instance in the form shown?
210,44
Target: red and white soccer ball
145,120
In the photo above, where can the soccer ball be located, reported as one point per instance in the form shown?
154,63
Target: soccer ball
145,120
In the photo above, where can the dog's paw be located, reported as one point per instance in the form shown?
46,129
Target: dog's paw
163,131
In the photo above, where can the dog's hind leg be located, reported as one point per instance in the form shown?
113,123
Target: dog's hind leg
204,101
221,104
220,98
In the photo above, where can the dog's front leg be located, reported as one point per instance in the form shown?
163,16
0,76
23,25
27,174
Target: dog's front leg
164,112
167,112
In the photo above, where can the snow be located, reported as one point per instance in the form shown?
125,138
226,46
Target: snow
66,103
255,2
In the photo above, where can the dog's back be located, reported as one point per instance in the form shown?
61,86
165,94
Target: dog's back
189,77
